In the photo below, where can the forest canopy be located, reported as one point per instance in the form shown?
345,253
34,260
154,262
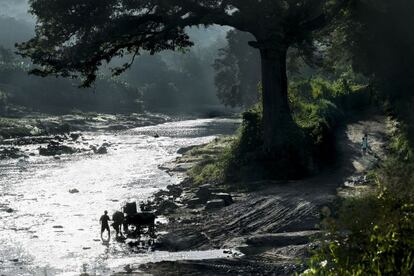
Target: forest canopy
74,38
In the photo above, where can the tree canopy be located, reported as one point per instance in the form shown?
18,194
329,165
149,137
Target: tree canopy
75,37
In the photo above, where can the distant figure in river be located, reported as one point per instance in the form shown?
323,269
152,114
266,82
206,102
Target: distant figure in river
105,224
365,145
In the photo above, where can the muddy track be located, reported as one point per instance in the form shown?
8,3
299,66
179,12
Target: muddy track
275,227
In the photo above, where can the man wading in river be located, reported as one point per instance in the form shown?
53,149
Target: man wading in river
105,224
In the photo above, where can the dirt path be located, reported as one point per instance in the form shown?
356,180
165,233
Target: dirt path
273,227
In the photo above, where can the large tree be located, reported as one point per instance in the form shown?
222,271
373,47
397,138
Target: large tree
74,37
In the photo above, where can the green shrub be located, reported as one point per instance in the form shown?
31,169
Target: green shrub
374,234
315,111
375,237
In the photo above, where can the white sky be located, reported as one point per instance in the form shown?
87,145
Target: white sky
15,8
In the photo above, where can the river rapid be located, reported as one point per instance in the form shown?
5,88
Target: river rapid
46,230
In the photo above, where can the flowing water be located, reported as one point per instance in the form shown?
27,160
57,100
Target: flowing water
49,231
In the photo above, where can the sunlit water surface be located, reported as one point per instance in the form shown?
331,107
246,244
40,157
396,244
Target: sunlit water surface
54,232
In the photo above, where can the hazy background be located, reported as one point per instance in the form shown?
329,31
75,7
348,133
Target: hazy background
168,82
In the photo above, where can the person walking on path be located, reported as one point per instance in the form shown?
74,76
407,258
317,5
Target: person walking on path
104,220
365,145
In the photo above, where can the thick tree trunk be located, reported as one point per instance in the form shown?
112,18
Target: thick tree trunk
278,124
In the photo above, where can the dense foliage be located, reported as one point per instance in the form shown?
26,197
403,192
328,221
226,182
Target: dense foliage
374,234
76,38
52,95
178,83
237,71
318,104
382,50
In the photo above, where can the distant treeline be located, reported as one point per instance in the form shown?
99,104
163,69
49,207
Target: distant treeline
57,96
168,83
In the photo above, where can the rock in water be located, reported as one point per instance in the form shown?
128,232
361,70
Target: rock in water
54,148
175,191
75,136
100,150
215,204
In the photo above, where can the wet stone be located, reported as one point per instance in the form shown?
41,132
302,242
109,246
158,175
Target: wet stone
194,202
175,191
215,204
228,200
75,136
204,193
55,148
166,207
99,150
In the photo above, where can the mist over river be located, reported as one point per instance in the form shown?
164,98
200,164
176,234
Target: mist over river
45,230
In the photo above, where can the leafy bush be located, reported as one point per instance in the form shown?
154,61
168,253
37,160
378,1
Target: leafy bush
316,112
374,235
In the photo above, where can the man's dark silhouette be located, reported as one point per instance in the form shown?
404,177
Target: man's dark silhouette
365,145
105,224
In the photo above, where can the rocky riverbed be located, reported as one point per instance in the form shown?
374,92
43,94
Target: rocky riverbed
269,232
50,204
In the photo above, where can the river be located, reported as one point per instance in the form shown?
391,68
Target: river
49,231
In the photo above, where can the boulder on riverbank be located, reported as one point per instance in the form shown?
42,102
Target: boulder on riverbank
166,207
56,148
11,152
227,198
204,193
100,150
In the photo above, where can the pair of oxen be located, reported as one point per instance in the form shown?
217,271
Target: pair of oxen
138,221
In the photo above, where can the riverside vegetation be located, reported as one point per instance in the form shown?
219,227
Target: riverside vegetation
290,133
318,107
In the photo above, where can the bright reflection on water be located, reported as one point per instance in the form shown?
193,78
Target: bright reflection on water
53,231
